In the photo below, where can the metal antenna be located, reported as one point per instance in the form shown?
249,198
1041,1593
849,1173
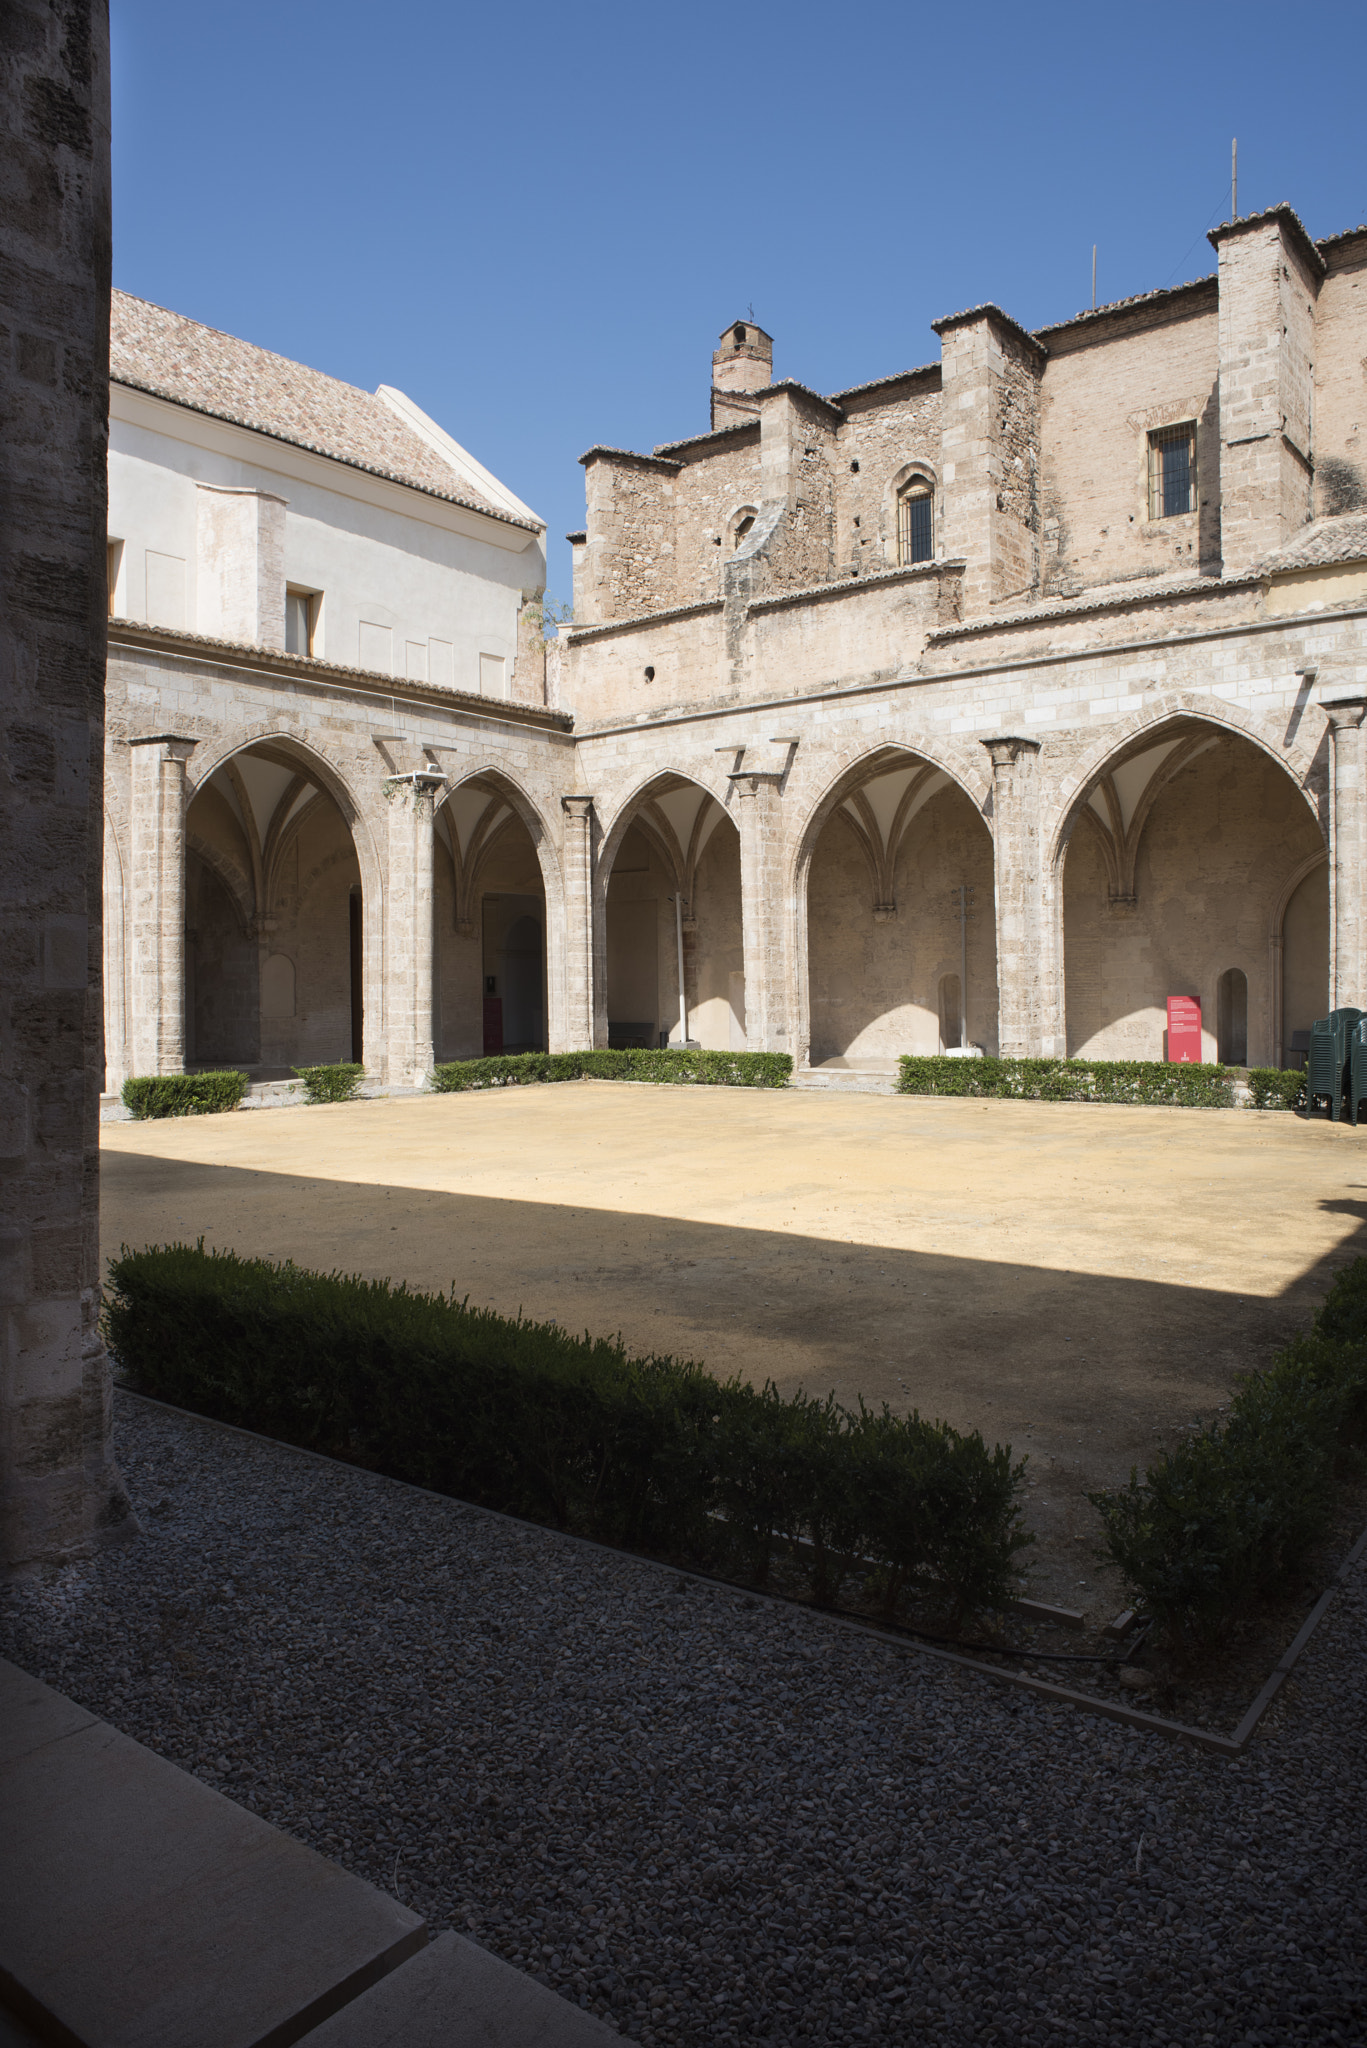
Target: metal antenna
1234,178
1094,277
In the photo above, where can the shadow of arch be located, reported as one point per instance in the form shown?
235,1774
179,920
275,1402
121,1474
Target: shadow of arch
678,857
1182,929
501,785
853,776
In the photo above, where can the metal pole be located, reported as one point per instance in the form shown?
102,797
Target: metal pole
683,1001
1094,277
1234,177
963,966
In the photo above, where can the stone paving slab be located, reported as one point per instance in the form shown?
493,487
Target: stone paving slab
456,1995
145,1910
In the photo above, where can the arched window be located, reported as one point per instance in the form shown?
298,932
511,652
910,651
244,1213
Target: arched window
915,522
1232,1018
741,523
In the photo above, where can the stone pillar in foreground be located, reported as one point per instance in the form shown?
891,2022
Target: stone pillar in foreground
764,910
408,933
156,972
581,983
60,1493
1347,853
1026,964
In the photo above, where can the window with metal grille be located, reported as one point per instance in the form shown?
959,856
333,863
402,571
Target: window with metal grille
915,524
1172,471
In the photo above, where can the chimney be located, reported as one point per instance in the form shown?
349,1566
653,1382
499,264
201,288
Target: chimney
743,363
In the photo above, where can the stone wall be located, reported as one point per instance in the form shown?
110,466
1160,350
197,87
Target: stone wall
1340,398
1105,389
60,1493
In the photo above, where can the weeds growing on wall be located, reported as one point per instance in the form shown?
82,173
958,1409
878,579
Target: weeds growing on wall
336,1083
1138,1081
649,1453
669,1065
149,1095
1234,1512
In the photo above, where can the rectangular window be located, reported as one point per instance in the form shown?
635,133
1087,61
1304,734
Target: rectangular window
915,539
301,619
1172,471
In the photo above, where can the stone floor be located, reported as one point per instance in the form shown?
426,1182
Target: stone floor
1080,1281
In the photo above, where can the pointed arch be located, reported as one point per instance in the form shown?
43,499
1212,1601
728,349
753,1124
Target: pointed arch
518,805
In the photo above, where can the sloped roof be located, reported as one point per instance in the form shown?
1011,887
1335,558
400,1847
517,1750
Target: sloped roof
1321,544
152,349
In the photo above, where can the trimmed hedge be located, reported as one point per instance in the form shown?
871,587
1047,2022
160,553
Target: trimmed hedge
149,1095
1277,1087
649,1453
669,1064
1139,1081
1234,1513
335,1083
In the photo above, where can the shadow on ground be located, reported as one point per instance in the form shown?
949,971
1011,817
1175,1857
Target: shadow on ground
1089,1373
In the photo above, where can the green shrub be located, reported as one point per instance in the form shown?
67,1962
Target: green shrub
651,1453
1136,1081
149,1095
1277,1088
669,1064
337,1083
1235,1511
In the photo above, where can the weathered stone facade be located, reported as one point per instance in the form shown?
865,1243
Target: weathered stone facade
1095,743
60,1493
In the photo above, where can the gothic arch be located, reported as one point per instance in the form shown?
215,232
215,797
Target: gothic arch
1186,708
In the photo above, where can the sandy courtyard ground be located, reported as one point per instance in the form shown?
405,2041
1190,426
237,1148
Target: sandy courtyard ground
1080,1282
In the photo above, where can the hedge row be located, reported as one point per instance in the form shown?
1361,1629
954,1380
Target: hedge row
650,1453
670,1064
1234,1513
1277,1087
335,1083
1193,1087
150,1095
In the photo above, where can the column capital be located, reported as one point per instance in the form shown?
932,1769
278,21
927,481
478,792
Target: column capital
1007,749
1344,712
178,746
580,808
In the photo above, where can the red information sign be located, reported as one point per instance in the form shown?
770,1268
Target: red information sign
1184,1029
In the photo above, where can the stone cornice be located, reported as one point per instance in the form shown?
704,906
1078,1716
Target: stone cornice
1289,218
136,638
971,315
817,593
579,634
1047,615
631,456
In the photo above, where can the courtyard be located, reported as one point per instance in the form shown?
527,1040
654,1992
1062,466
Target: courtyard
1080,1282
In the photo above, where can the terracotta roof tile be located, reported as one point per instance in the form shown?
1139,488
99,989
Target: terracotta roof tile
1322,543
155,350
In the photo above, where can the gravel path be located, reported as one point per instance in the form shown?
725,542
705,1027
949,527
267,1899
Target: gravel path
709,1819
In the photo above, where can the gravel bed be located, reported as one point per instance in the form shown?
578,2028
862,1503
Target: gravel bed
707,1818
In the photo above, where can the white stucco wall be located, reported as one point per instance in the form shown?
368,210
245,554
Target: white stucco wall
445,583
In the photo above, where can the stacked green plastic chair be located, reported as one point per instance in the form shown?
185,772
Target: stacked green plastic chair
1329,1077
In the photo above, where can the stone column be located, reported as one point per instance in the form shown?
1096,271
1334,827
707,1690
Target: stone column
1347,849
764,923
408,935
1026,970
60,1492
156,970
579,1020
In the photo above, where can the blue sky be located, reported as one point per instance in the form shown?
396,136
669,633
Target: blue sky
536,219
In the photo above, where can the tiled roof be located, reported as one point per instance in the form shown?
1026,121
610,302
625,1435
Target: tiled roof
1153,298
877,383
1321,544
154,350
